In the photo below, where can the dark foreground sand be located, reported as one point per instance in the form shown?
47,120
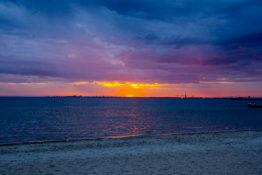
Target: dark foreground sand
224,153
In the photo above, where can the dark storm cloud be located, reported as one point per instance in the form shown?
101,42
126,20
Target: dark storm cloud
145,40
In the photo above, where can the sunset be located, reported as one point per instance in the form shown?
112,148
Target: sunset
122,87
192,48
131,89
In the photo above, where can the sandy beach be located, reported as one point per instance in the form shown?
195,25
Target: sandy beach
214,153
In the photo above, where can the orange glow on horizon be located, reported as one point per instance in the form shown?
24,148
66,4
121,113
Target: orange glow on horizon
131,89
125,89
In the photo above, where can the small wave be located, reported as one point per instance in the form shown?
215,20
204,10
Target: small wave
121,137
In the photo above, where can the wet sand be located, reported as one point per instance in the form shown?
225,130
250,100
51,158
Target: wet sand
205,154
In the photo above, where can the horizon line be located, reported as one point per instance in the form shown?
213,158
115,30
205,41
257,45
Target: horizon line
101,96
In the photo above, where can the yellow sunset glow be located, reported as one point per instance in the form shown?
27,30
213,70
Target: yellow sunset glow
137,85
129,89
125,89
109,84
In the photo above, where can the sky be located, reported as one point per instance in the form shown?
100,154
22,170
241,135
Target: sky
131,48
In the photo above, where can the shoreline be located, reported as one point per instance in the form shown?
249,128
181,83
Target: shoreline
213,153
123,137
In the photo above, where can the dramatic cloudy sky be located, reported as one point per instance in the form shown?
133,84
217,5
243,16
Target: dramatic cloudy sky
131,47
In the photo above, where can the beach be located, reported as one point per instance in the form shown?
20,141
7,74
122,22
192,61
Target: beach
211,153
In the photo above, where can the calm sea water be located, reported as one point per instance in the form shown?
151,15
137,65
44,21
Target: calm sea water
38,119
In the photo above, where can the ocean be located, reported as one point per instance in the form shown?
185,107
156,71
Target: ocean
33,119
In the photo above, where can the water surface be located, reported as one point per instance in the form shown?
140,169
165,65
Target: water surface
36,119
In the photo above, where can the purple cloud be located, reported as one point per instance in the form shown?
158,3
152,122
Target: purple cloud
152,41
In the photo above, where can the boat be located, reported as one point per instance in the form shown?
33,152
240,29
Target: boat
253,105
